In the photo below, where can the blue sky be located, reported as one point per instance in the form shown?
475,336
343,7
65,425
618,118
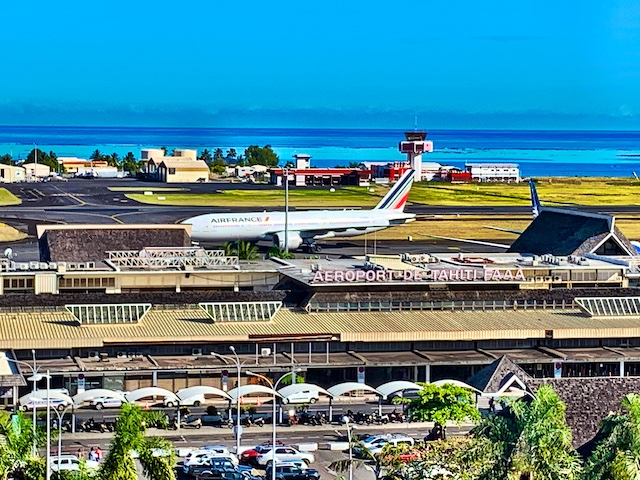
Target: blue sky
456,64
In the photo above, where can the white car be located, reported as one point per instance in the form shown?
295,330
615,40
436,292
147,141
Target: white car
202,456
193,401
106,402
377,443
285,454
56,403
70,462
306,396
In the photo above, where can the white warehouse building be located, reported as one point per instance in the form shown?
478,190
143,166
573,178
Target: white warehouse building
494,172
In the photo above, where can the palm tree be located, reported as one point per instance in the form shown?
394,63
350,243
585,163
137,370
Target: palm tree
617,454
530,440
129,436
230,249
247,251
376,463
96,156
278,252
16,449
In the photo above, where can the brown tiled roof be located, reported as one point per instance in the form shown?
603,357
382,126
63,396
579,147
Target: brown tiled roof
59,330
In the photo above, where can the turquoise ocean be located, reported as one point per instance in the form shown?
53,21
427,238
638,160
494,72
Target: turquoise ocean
539,152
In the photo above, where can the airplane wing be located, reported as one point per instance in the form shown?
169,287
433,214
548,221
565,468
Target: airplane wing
475,242
517,232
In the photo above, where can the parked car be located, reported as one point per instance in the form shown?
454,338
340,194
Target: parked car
36,403
70,462
224,475
204,457
105,402
294,470
211,465
193,401
250,457
377,443
285,454
305,396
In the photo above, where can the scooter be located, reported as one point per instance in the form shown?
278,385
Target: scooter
190,421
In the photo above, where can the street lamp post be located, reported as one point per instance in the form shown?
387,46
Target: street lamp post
286,209
235,359
35,378
345,420
273,414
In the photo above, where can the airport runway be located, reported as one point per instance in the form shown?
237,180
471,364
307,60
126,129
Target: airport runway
91,201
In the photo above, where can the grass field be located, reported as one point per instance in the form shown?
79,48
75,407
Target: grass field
348,197
10,234
472,227
552,192
146,189
8,198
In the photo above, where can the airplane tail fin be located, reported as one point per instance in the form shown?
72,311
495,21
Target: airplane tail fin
536,206
397,197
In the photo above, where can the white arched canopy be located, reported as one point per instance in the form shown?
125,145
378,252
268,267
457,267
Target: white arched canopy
150,392
390,388
186,393
42,395
457,383
89,395
346,387
251,390
302,387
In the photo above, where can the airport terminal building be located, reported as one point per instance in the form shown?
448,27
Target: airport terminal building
128,306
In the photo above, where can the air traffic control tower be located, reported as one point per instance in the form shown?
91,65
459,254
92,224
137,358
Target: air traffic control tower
414,146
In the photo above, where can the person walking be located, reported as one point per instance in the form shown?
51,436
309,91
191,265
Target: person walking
99,453
92,455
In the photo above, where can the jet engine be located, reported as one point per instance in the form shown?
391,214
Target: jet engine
294,240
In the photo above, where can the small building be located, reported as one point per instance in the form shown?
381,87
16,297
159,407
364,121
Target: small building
11,174
75,165
452,175
322,176
36,170
182,170
494,172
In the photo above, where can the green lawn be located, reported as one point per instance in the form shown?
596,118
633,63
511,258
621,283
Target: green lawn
552,192
8,198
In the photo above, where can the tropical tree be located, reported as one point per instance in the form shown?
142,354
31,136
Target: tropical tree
130,437
205,156
278,252
242,250
256,155
530,439
218,154
6,159
231,155
165,150
617,454
241,161
365,459
96,156
113,160
129,163
16,449
448,403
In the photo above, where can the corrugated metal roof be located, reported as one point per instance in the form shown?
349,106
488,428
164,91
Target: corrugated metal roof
60,330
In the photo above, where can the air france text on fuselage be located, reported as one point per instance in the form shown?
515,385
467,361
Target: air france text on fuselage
237,220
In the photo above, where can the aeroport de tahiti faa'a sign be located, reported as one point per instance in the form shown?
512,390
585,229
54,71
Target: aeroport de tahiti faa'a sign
433,275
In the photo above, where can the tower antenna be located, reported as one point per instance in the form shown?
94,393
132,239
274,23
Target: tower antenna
415,123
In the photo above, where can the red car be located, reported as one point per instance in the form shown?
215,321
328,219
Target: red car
249,457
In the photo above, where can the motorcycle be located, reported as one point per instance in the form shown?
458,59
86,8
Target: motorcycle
396,417
190,421
381,419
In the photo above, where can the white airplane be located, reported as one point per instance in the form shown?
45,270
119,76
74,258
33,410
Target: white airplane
305,227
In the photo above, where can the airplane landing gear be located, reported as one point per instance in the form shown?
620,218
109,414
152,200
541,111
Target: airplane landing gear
314,248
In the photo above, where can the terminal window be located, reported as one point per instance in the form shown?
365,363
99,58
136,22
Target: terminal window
18,284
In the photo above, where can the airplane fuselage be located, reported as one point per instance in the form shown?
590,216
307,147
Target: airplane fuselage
310,225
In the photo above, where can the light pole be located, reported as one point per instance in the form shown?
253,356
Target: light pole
273,414
235,360
35,378
345,420
285,170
